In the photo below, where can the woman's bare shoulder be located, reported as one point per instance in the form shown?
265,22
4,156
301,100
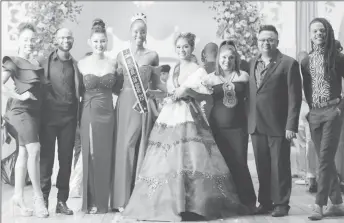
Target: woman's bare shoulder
83,61
151,52
243,77
152,56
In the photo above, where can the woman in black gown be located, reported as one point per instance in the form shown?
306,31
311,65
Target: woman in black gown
23,116
97,121
228,118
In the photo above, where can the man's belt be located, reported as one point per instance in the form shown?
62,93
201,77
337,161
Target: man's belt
327,103
141,105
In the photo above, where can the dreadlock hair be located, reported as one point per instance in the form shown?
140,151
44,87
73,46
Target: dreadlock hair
330,52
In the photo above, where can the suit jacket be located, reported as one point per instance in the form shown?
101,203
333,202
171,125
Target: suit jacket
77,80
335,83
275,106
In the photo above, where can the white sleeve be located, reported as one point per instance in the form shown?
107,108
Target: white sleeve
196,81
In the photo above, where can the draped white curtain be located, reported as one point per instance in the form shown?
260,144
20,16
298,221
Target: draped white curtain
340,151
305,12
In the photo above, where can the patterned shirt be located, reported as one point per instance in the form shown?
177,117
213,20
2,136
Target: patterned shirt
320,83
260,70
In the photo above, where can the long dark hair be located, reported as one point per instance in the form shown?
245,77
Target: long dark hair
231,46
330,52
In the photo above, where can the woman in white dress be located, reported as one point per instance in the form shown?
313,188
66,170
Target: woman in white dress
183,175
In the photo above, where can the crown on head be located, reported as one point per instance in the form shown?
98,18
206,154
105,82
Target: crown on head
139,16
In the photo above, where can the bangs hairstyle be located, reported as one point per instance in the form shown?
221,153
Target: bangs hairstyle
227,45
330,52
98,26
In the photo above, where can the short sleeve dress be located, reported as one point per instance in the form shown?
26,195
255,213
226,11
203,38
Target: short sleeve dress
23,117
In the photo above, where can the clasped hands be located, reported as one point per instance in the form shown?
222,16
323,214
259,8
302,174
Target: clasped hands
180,92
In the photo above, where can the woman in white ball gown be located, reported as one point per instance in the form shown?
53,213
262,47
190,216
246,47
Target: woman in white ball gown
183,176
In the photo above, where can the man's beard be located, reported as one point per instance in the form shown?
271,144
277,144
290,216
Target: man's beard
63,49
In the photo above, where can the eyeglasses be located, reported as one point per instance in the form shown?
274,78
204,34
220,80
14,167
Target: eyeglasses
266,40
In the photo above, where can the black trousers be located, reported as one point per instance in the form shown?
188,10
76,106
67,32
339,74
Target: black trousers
62,128
77,146
325,125
233,145
272,155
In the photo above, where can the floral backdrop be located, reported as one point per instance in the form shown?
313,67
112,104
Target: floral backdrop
47,16
238,21
219,17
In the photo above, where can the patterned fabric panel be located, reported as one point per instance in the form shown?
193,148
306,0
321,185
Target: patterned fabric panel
320,83
260,71
92,81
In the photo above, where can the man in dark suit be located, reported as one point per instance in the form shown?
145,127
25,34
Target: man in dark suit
274,102
59,118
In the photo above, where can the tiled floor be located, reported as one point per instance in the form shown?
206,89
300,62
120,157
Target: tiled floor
301,205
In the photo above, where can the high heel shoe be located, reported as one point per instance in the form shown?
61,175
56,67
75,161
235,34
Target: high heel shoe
40,210
18,203
93,210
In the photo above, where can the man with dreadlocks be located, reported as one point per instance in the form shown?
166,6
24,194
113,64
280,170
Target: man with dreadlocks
322,71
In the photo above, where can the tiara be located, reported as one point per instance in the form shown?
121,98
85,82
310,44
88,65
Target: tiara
139,16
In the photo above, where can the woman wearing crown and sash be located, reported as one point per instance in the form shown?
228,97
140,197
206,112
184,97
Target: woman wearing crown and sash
100,81
183,175
133,113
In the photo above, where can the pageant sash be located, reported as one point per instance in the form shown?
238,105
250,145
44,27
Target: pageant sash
141,105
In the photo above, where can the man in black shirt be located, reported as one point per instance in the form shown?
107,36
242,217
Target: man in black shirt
59,118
